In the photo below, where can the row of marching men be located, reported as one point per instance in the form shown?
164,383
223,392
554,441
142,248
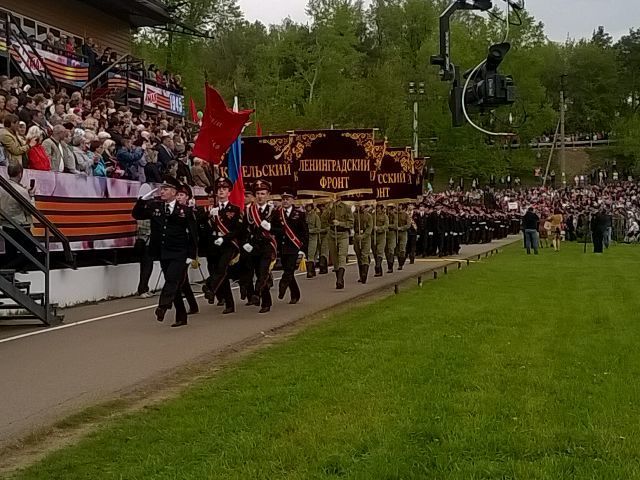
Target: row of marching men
243,244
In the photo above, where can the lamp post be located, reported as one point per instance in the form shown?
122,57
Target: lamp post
416,90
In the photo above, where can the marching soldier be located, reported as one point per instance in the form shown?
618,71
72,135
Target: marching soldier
380,237
184,197
323,264
412,235
392,237
293,235
404,224
261,243
174,241
227,224
339,217
362,228
313,250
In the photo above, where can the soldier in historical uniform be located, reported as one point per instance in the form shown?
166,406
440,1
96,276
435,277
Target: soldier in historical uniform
261,243
314,227
323,264
431,227
380,237
404,224
392,237
339,217
293,237
362,229
227,224
174,241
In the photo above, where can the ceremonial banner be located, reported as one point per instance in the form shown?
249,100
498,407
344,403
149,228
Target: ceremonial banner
395,175
270,158
220,127
334,161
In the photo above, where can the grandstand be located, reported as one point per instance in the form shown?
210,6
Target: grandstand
69,63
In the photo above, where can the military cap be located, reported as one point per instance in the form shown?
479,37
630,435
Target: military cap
223,182
261,185
170,182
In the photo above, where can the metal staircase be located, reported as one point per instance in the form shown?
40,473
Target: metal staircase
16,299
121,81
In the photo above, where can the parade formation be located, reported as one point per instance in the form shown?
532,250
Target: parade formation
245,245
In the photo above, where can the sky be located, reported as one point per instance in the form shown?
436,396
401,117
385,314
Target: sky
575,18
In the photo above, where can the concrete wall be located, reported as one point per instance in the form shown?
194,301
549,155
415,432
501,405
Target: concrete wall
92,284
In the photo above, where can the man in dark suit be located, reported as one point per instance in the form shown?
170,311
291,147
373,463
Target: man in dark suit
165,152
174,241
293,236
227,227
261,243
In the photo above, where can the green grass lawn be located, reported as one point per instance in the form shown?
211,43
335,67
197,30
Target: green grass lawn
519,367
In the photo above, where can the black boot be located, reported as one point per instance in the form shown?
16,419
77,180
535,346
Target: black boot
365,273
390,261
378,267
401,261
311,270
340,278
412,259
324,266
360,273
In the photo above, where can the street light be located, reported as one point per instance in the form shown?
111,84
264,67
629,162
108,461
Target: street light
416,89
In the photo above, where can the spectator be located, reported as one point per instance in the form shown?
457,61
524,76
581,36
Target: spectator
129,158
556,229
151,169
198,174
99,167
184,171
14,210
38,159
14,148
165,152
172,169
54,148
84,163
530,224
110,159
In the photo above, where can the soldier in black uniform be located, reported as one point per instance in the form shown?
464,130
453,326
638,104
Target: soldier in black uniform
420,221
261,243
174,241
227,224
184,197
293,236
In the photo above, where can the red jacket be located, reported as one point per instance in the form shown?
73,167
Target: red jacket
38,158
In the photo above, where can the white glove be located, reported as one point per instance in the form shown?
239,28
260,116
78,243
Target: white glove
213,211
301,254
218,242
149,195
189,260
247,247
353,209
266,225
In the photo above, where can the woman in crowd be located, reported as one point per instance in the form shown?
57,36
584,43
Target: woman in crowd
84,163
99,166
38,159
110,160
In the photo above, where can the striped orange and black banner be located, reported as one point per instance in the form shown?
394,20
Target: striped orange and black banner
83,219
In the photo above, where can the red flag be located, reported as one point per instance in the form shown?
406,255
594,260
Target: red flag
220,128
194,111
258,129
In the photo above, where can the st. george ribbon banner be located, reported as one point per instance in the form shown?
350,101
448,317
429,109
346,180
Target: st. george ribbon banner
334,161
270,158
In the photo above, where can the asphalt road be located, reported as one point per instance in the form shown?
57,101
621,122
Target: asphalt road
107,349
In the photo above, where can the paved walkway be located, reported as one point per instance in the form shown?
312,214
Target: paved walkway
106,349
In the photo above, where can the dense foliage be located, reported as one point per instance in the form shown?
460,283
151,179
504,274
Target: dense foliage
350,67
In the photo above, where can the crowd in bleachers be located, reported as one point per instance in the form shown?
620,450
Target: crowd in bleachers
64,132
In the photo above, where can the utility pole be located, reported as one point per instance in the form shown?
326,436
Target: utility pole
563,108
415,92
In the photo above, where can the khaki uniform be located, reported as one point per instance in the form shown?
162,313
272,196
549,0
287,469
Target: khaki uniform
404,223
324,242
315,228
380,239
339,217
362,228
392,238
